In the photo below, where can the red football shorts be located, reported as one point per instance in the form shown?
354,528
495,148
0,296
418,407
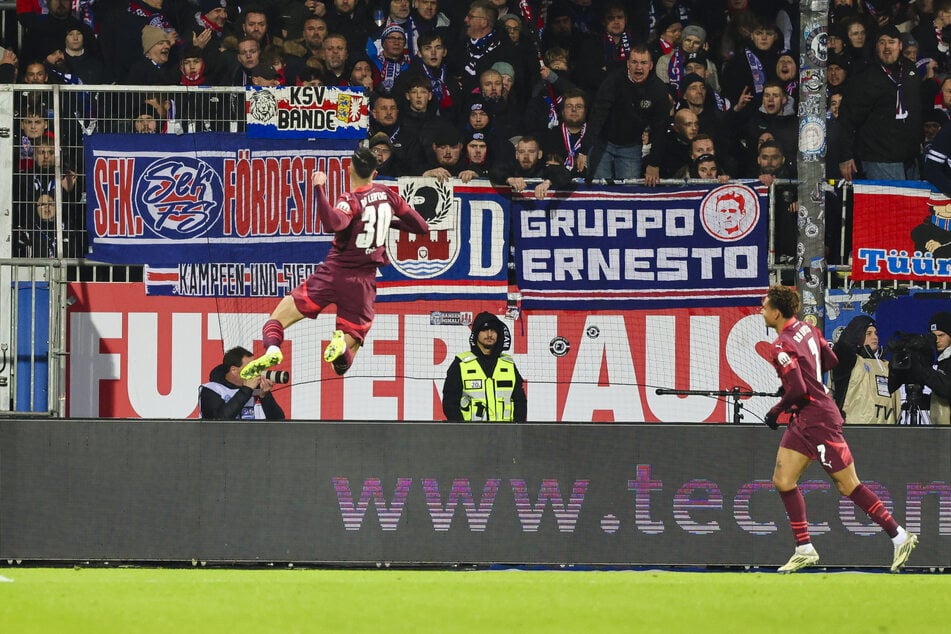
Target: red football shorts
822,444
353,291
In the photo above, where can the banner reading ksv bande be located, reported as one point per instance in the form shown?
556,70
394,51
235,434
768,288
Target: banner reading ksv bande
307,112
628,247
207,198
899,233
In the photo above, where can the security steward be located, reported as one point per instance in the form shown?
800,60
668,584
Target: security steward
483,384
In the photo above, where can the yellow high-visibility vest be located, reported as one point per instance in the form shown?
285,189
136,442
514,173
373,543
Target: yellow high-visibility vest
487,398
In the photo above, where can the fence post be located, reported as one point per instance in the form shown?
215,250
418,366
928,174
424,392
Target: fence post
811,161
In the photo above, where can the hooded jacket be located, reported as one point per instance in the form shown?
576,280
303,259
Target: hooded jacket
860,381
452,393
848,347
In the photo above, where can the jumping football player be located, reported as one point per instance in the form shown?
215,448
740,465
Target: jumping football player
361,220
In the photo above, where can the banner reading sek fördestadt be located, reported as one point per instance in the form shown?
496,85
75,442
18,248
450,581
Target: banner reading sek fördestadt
209,198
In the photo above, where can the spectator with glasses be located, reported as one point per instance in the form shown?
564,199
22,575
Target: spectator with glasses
482,47
567,138
389,57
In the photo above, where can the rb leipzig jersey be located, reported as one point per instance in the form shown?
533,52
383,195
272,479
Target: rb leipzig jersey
371,211
801,349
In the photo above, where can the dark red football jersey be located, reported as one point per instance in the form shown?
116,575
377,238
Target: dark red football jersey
361,221
801,356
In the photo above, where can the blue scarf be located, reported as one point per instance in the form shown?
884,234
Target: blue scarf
756,68
941,223
675,69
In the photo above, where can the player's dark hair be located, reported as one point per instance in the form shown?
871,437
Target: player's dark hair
363,160
785,299
235,357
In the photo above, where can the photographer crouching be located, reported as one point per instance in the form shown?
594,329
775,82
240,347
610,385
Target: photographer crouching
913,365
226,396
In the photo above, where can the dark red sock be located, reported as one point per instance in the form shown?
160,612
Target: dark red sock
869,502
796,510
272,333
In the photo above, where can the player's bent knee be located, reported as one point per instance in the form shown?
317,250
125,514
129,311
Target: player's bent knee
845,487
784,484
287,312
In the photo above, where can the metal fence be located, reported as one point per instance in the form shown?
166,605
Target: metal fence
32,336
42,209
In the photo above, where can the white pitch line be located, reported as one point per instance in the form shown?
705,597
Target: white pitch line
4,579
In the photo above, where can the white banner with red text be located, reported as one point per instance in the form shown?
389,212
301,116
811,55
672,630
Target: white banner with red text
138,356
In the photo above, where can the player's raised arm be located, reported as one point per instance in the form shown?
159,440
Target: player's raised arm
407,219
332,218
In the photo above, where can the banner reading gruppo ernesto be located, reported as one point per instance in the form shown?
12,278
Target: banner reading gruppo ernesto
629,247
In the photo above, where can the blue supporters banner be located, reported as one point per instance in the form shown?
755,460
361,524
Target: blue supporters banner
201,207
307,112
639,247
220,215
465,254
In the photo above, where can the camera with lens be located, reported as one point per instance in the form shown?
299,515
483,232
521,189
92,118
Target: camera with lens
906,348
277,376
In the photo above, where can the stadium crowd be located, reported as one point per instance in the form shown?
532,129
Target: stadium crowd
510,90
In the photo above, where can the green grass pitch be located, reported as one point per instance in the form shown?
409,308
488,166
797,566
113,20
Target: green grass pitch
178,601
